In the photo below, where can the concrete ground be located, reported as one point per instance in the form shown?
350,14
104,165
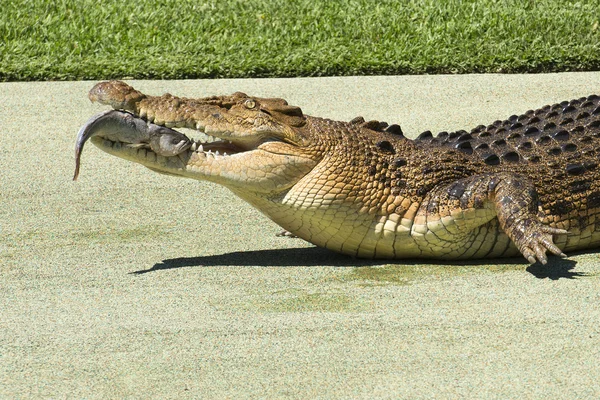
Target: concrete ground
130,284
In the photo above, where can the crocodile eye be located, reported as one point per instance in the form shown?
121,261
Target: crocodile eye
250,103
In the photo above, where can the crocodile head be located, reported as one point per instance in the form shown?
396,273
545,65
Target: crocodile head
257,144
316,178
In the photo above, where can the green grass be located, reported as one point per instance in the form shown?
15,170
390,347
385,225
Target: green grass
81,39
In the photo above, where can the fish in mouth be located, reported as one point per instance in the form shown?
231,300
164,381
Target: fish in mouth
123,128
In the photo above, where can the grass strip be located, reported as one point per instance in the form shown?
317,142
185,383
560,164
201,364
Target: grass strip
173,39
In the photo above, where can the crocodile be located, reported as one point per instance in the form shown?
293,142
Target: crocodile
525,185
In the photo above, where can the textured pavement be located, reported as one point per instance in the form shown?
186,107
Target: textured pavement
131,284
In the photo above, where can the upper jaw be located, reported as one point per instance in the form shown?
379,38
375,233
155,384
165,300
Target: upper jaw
216,116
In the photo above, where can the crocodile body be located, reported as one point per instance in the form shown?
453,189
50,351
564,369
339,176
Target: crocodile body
528,184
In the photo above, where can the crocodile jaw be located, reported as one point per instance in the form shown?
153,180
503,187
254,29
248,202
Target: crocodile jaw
262,167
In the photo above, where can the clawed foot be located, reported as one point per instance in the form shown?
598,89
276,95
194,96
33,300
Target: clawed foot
537,240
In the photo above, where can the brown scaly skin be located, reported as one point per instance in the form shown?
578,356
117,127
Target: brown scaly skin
362,188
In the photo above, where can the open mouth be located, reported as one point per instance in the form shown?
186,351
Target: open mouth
122,129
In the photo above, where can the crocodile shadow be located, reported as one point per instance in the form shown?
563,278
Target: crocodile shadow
315,256
291,257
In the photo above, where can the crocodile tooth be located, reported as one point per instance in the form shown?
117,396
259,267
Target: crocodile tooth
150,116
201,149
194,146
217,153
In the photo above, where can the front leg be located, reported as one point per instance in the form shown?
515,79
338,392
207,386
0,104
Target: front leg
516,202
455,214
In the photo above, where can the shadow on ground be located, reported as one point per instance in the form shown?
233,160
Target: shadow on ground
292,257
314,256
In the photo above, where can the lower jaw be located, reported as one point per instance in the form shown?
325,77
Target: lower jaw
200,165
